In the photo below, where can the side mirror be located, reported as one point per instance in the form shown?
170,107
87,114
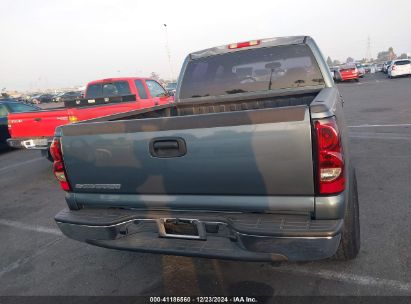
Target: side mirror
171,93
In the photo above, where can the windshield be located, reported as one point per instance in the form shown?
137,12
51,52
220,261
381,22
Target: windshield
252,70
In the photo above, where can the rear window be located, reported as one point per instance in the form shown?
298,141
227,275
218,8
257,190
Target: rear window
254,70
141,89
99,90
402,62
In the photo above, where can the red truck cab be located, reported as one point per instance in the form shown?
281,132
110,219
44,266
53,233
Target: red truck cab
102,97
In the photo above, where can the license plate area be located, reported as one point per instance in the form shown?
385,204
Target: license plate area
181,228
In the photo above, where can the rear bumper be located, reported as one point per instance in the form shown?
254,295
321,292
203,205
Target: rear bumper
349,77
397,73
239,236
30,143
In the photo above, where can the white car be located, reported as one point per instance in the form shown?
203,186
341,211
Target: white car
399,67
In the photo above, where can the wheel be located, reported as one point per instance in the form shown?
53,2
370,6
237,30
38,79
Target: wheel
350,236
357,79
47,154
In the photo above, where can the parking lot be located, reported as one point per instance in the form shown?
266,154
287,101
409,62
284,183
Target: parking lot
38,260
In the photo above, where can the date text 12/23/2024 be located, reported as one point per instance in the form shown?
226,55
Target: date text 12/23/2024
240,299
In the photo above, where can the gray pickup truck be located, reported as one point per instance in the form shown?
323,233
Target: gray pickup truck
251,163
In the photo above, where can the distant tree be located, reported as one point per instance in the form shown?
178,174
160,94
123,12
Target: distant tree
336,62
329,61
403,56
386,55
350,59
155,76
391,53
382,56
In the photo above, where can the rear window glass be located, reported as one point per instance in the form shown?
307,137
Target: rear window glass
402,62
117,88
94,91
252,70
141,89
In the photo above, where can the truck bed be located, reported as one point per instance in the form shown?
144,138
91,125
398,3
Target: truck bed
297,98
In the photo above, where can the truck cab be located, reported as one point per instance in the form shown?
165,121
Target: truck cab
102,97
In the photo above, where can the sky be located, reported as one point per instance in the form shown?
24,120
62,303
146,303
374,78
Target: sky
52,44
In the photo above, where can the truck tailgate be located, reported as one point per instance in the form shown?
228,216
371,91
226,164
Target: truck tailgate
253,152
36,124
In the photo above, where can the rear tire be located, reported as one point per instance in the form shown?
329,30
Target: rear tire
357,79
350,235
47,154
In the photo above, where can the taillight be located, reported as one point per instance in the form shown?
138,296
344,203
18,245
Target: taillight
58,165
331,175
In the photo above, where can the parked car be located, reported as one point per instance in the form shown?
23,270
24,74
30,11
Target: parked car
250,163
57,96
42,98
69,96
103,97
380,67
8,106
369,68
171,87
399,67
349,72
386,66
34,99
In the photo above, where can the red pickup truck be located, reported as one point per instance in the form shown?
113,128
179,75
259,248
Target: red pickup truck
35,130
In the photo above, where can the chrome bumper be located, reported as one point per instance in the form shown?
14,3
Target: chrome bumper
30,143
219,239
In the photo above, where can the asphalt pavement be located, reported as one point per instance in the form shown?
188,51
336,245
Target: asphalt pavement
36,259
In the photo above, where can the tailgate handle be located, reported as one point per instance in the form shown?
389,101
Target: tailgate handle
165,147
37,119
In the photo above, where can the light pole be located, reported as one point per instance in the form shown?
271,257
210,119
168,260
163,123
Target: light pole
168,53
